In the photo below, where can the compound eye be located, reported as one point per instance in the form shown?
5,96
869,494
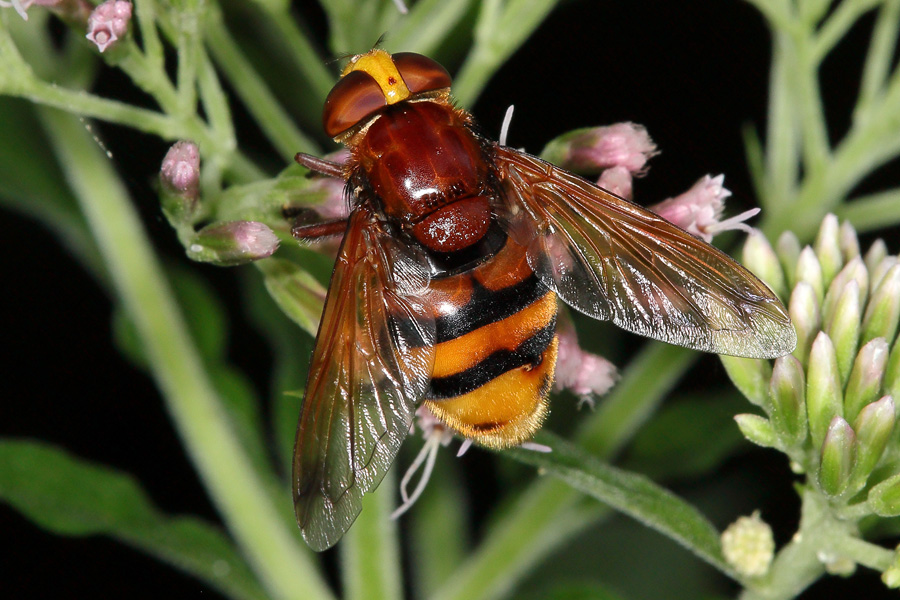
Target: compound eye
352,99
420,73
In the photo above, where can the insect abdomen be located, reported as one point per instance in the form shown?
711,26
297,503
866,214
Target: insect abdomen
496,350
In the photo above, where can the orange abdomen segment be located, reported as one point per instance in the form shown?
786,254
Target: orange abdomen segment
496,350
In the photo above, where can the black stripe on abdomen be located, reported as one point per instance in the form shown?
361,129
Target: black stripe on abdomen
489,306
495,364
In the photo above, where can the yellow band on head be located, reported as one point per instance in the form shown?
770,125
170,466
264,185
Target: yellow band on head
380,67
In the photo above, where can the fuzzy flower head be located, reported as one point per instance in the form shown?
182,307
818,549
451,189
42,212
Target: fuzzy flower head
830,406
593,149
749,546
584,374
699,210
108,23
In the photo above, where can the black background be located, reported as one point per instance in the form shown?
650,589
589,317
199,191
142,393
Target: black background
693,73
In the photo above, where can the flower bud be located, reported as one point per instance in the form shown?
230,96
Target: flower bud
233,243
837,457
583,373
878,273
892,372
873,427
854,270
179,179
758,430
884,498
810,271
835,564
849,242
864,383
592,149
828,248
749,376
109,22
749,546
299,295
883,312
843,329
824,399
804,311
787,394
877,252
788,250
617,180
760,258
891,575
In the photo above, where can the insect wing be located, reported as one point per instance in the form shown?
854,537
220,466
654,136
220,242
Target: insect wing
612,259
372,362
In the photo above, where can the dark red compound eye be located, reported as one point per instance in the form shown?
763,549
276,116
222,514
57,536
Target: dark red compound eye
352,99
420,73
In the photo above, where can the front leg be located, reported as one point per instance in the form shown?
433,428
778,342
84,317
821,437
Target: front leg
320,165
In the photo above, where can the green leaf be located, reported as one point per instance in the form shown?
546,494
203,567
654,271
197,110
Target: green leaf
70,496
632,494
295,291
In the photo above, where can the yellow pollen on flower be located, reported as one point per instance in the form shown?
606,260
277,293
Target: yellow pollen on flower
379,65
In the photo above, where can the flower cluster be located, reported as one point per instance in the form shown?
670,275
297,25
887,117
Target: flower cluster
830,405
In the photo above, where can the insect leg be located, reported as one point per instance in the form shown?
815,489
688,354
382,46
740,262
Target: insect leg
311,231
320,165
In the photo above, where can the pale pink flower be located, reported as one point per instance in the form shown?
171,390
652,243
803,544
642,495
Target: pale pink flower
617,180
180,171
584,374
625,145
108,23
699,210
22,6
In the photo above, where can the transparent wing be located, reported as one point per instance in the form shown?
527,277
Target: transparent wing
371,364
612,259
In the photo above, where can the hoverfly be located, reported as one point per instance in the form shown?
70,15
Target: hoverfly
445,285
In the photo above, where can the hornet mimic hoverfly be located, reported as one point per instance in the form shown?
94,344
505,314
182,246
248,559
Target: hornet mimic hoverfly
445,285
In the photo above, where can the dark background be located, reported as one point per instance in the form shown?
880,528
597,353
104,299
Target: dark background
693,73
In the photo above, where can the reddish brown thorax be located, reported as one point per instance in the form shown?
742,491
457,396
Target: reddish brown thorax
430,172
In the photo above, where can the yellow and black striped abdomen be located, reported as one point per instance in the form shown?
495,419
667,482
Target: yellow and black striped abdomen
496,350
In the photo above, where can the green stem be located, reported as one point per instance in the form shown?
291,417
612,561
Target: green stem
501,28
370,552
543,517
237,490
256,96
870,213
878,59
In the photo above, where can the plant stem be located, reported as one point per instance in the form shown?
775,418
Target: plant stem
237,490
259,100
370,551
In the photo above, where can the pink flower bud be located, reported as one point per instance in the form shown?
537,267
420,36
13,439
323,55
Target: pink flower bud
180,171
616,180
233,243
108,23
583,373
625,145
699,210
